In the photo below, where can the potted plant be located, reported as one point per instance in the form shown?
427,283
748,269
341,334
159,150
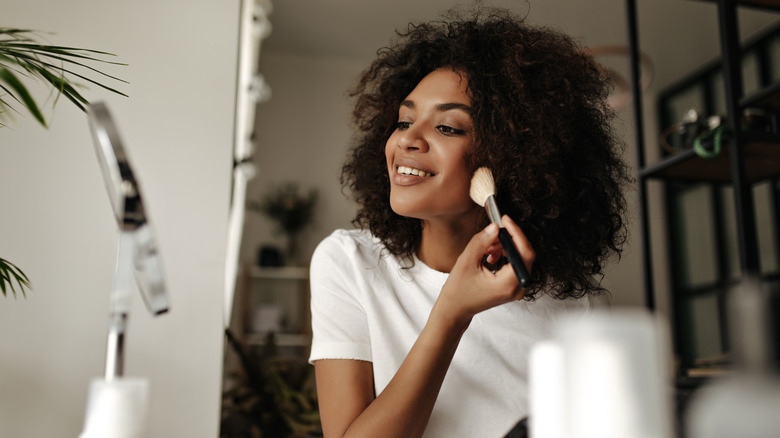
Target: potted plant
272,395
23,59
290,210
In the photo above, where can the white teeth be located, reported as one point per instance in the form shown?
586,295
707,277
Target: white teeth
403,170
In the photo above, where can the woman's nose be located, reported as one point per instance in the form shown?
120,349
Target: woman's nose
412,139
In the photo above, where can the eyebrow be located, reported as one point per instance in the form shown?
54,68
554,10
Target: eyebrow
443,106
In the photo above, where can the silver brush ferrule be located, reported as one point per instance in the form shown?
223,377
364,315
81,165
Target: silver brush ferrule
492,210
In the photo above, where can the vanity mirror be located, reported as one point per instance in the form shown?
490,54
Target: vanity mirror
118,406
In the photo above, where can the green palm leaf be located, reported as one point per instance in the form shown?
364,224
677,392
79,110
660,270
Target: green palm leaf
19,92
10,273
23,58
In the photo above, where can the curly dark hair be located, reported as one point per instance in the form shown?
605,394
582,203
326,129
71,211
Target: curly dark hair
542,125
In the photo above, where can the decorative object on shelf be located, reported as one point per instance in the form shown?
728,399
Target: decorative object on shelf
267,318
272,396
290,210
269,256
705,134
285,288
23,58
695,131
758,120
686,130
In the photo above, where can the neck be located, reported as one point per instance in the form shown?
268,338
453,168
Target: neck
443,241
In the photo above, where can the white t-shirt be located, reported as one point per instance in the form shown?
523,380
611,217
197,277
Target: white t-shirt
367,306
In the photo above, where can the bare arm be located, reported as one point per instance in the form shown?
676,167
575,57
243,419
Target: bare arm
345,387
346,392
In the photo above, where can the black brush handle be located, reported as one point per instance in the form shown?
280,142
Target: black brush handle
514,257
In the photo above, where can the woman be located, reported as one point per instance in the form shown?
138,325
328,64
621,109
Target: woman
420,328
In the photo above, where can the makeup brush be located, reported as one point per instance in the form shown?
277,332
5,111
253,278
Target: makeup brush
483,192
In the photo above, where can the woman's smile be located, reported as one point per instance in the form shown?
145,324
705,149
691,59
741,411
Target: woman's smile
403,170
409,172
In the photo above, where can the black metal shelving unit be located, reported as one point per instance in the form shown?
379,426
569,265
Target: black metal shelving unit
747,157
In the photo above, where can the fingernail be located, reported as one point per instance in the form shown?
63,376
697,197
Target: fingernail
492,228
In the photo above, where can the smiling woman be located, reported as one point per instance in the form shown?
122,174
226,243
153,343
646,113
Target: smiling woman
409,298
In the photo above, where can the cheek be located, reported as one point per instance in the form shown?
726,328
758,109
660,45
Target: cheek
389,151
460,168
464,180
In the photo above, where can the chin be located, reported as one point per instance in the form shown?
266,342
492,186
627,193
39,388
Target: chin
404,209
400,211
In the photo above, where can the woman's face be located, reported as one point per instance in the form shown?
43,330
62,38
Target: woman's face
426,152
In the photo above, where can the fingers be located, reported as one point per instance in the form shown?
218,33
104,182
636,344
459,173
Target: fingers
472,287
493,253
481,242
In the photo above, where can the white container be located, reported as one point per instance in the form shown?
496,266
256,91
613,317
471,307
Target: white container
117,409
745,404
742,405
613,380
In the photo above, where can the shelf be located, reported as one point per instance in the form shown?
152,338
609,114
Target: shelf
282,339
768,99
772,5
762,161
280,273
768,4
735,238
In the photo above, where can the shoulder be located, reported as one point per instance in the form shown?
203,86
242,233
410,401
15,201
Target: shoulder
347,251
348,243
353,237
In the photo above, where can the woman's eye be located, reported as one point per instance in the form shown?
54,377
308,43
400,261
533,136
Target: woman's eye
402,125
449,130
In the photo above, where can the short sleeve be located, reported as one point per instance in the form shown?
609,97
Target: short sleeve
339,324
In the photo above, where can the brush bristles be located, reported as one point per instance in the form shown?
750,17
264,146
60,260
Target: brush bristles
482,186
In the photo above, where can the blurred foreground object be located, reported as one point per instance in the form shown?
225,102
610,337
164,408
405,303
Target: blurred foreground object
745,404
603,375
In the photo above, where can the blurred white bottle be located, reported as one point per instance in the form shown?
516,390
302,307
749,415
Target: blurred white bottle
745,404
604,375
117,408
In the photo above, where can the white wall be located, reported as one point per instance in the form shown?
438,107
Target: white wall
56,224
302,135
